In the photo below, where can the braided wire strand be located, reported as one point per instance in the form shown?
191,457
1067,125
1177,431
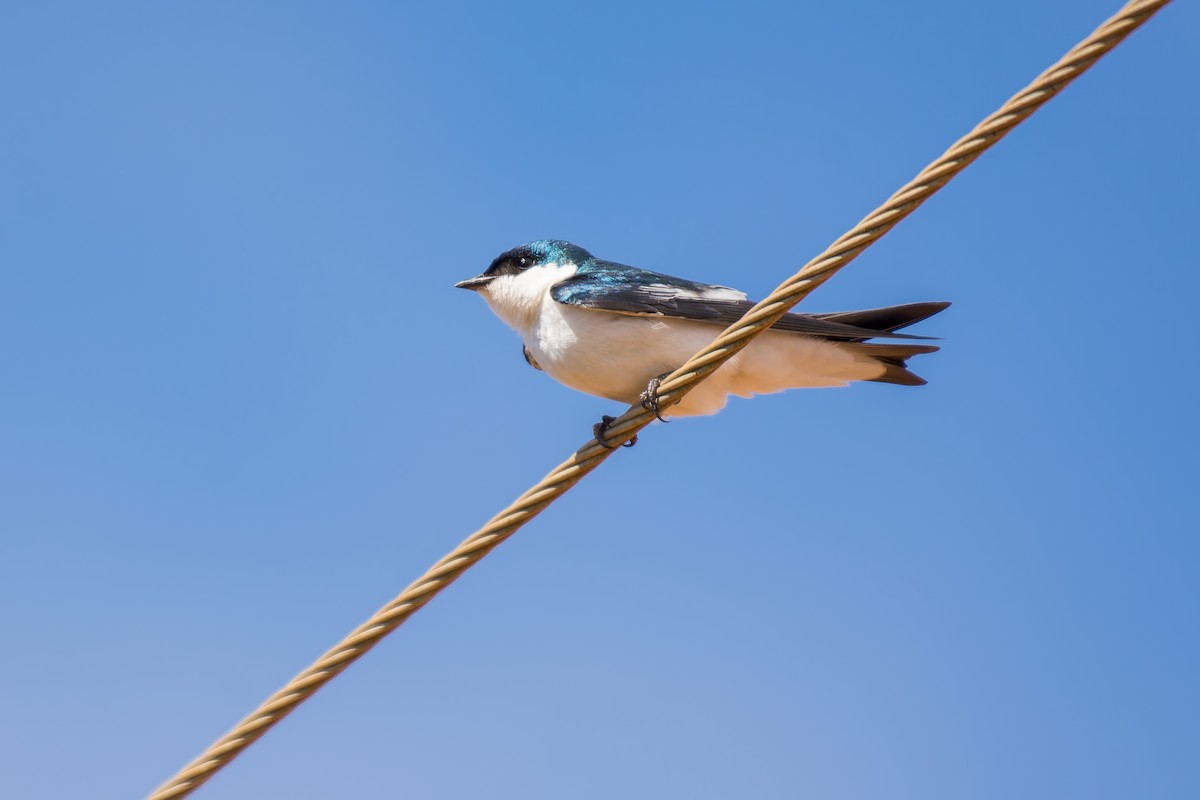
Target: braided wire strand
672,389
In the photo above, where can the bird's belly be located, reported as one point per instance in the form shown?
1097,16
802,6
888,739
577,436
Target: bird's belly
612,355
615,355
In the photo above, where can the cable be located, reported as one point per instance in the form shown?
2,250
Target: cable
673,388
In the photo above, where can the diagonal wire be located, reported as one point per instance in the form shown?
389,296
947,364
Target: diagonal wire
672,389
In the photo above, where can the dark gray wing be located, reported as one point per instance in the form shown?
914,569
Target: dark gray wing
606,286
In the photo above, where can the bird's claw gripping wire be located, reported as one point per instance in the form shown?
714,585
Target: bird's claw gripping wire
650,396
600,431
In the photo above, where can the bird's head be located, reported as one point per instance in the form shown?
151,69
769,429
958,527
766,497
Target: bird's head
519,260
516,282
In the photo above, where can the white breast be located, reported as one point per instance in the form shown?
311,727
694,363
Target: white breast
608,354
519,299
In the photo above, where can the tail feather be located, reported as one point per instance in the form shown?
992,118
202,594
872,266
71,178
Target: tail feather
889,319
894,357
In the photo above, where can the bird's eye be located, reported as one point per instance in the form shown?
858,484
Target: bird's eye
514,262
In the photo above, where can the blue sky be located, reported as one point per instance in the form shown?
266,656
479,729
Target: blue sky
243,406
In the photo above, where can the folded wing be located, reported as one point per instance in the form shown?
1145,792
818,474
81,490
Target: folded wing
629,290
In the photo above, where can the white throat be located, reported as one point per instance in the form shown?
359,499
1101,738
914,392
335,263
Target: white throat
517,299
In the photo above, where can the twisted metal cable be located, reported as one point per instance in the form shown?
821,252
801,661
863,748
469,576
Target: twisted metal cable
672,390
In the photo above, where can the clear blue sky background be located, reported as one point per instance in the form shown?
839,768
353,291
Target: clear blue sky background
242,405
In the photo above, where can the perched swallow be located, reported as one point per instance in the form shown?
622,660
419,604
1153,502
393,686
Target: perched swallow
613,331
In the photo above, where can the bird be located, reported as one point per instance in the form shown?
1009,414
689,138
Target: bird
614,331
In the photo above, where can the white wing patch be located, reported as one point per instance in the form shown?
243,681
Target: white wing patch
710,293
668,294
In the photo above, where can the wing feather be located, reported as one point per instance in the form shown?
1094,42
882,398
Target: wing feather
629,290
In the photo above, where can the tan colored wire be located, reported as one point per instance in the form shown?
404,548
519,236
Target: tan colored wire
673,388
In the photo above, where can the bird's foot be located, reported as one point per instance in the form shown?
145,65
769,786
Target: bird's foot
650,396
600,431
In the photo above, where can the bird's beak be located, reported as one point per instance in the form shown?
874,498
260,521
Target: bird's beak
476,283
